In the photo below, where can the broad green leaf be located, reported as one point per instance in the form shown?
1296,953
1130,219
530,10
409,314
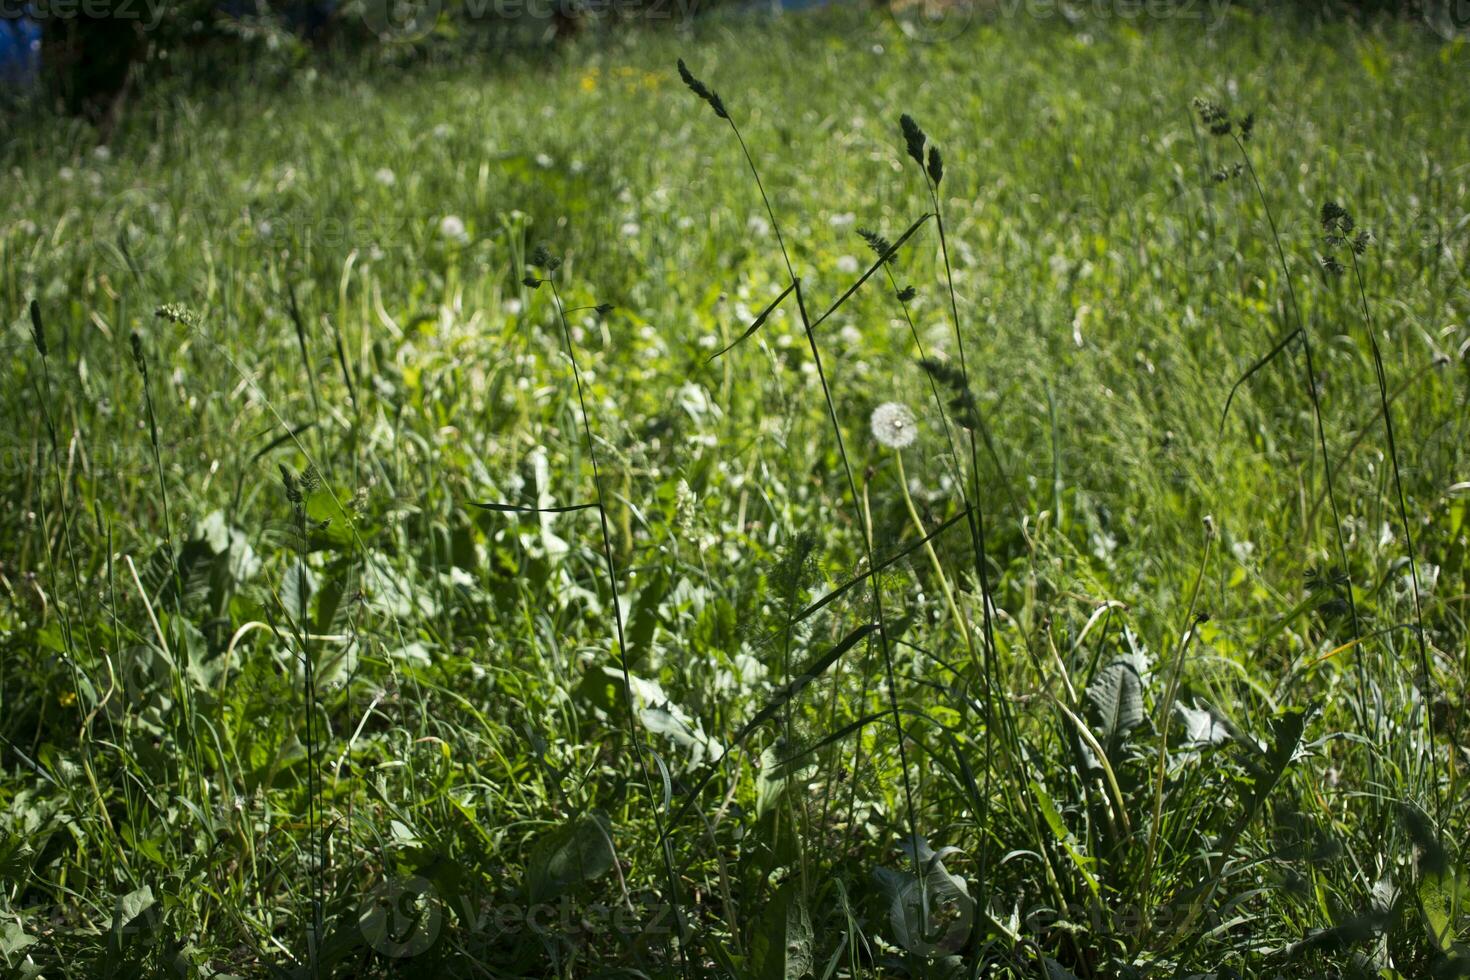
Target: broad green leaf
782,946
577,851
130,907
13,939
1201,728
1115,701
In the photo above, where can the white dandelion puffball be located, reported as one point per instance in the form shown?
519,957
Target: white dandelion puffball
894,425
385,177
452,228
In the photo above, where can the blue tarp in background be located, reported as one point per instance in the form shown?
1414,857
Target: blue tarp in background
20,53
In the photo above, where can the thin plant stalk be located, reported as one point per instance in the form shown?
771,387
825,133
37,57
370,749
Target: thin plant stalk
877,582
1312,394
1403,508
623,651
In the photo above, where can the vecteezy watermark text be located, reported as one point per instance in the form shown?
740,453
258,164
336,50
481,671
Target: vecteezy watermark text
147,12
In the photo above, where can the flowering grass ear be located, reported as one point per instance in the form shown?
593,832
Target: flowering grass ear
1339,230
38,332
1215,118
936,165
880,245
176,313
962,406
914,137
139,361
702,90
543,259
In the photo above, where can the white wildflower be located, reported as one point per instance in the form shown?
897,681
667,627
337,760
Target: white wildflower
452,228
385,177
894,425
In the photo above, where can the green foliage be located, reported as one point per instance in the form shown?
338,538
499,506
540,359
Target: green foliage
386,593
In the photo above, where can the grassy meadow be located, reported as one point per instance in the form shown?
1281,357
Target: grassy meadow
413,564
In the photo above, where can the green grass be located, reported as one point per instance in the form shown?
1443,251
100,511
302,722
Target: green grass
278,697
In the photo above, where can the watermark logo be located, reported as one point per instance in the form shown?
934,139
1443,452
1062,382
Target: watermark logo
401,917
401,21
932,21
1450,19
134,228
933,918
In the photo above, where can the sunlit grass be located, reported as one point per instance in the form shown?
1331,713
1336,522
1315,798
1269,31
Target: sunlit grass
352,723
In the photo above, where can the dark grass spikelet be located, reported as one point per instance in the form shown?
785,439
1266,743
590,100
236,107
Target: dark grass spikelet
936,165
880,245
603,309
543,258
1215,118
38,332
962,405
1340,231
914,137
906,293
139,360
530,280
1335,219
1220,123
702,90
292,486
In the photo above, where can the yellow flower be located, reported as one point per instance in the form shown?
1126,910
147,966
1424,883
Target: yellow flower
589,82
67,699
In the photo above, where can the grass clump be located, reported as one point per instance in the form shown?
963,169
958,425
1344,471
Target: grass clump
384,593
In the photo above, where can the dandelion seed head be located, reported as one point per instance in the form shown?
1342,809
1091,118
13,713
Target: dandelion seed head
894,425
452,227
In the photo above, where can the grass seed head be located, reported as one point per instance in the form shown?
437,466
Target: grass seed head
1339,230
176,313
880,245
936,165
962,405
702,90
1215,118
914,137
38,332
139,361
292,485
